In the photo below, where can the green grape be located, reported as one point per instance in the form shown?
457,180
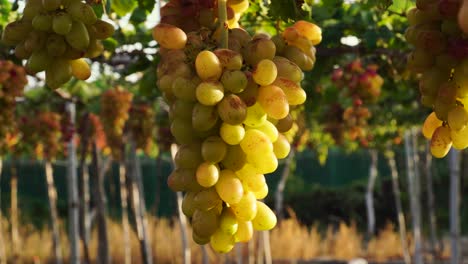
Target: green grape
78,36
72,54
265,219
222,242
460,77
62,23
35,41
288,69
15,32
213,149
207,18
273,100
457,118
446,62
269,129
256,116
441,142
82,12
428,100
102,29
266,163
281,147
182,132
209,92
280,43
42,22
232,134
420,60
249,95
246,208
204,117
95,49
165,84
188,156
228,221
199,239
235,158
256,142
182,109
205,223
32,9
265,72
207,174
244,231
51,5
184,89
188,204
285,124
459,138
39,61
208,66
56,45
294,93
21,52
432,79
234,81
207,199
229,187
295,55
232,109
259,49
450,28
229,59
262,193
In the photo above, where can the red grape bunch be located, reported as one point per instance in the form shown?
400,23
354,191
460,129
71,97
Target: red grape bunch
141,125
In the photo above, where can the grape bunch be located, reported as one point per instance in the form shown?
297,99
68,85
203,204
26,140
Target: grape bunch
362,85
55,36
230,113
141,125
12,82
115,106
48,130
194,14
440,58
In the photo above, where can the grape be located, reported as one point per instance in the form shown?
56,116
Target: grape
199,239
432,79
267,163
184,89
244,231
265,219
204,117
280,43
188,204
259,49
32,8
254,182
457,118
169,36
15,32
229,187
182,133
309,30
95,49
209,92
222,242
288,69
419,61
213,149
232,110
82,12
281,147
42,22
229,59
207,199
102,29
80,69
441,142
285,124
62,23
430,125
78,36
249,95
208,66
72,54
235,158
273,100
51,5
463,17
256,143
228,221
269,130
21,52
460,77
177,180
246,208
262,193
35,41
256,116
205,223
182,109
234,81
241,35
58,73
294,93
296,55
56,45
207,174
232,134
239,6
459,138
188,156
265,72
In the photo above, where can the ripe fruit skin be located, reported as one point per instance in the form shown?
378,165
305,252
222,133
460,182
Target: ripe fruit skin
169,36
430,125
441,142
208,66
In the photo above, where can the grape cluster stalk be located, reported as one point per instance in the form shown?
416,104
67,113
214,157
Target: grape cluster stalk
55,36
438,33
230,113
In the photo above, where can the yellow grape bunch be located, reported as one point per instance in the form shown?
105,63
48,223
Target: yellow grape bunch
440,58
230,113
55,36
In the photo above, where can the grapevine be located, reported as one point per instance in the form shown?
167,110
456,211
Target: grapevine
55,37
440,58
230,102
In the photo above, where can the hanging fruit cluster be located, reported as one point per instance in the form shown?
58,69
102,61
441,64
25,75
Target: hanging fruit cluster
12,82
115,105
54,36
441,58
363,86
230,101
141,125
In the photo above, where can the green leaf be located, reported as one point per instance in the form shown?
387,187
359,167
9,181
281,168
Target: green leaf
123,7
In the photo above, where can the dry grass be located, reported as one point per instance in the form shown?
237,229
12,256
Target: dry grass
289,240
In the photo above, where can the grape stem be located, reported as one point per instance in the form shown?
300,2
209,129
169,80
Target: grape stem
222,16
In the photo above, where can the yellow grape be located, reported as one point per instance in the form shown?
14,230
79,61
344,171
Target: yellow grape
210,93
265,163
281,147
228,221
82,12
273,101
204,117
288,69
269,129
309,30
229,187
255,182
169,36
441,142
246,208
459,138
205,223
208,66
246,171
256,116
232,109
102,29
229,59
232,134
244,231
222,242
262,193
207,174
255,142
457,118
213,149
265,72
265,219
298,57
430,125
80,69
293,91
238,6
